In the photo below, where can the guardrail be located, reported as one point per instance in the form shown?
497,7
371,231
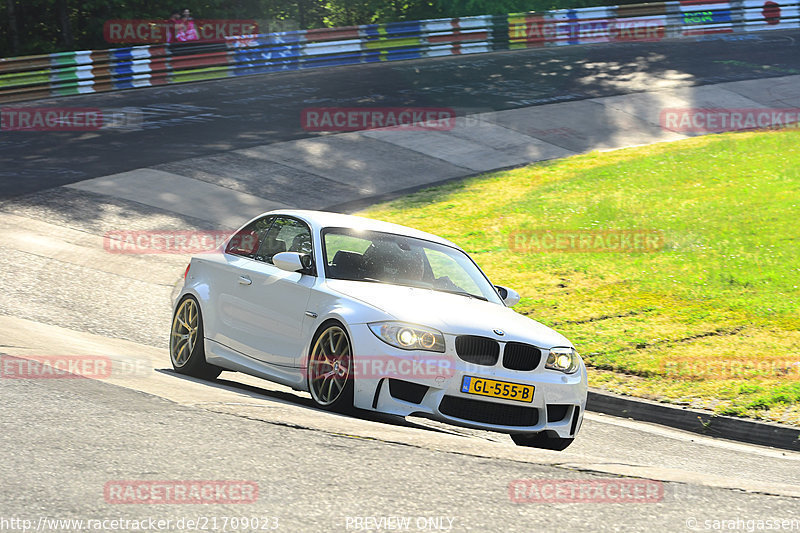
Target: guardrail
69,73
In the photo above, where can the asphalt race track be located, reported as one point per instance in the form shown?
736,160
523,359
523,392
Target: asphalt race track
61,293
186,120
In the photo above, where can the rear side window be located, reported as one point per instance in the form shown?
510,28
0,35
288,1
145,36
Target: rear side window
248,240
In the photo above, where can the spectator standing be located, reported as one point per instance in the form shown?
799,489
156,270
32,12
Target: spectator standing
174,19
187,31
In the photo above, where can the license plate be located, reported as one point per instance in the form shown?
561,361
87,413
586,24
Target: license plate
497,389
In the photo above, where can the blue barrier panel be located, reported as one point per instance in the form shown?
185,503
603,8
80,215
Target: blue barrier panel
265,53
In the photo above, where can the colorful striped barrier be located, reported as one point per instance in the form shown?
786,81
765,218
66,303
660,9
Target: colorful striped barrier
260,54
761,15
531,30
659,21
83,72
466,35
138,66
702,17
582,26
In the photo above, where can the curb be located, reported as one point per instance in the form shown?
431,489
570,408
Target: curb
695,420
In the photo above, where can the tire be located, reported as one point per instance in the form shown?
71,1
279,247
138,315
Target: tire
330,369
543,440
186,350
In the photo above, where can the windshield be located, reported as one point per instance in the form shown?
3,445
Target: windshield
379,257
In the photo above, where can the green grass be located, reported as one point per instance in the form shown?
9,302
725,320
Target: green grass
723,287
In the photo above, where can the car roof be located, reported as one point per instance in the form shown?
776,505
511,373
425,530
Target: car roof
324,219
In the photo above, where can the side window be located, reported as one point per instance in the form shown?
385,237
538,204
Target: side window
285,235
247,240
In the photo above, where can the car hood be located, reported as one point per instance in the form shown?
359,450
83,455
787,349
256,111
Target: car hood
450,313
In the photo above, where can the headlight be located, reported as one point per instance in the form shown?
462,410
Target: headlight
408,336
566,360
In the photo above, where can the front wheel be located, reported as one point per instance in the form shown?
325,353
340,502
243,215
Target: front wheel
542,440
186,342
330,368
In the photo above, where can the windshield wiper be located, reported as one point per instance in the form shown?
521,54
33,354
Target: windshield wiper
463,293
414,284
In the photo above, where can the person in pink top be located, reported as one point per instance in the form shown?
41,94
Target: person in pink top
184,28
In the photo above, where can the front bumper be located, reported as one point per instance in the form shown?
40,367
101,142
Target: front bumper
558,404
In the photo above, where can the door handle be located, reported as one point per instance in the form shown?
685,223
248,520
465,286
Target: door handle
244,280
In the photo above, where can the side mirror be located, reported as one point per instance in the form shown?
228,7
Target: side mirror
509,296
291,261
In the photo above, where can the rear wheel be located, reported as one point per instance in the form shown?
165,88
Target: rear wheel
186,342
543,439
330,368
